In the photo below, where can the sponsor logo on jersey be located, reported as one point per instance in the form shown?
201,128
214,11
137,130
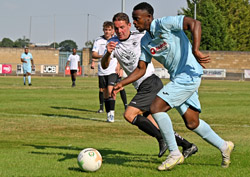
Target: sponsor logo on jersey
159,48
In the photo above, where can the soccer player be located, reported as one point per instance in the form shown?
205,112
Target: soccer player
107,77
166,42
127,50
27,60
74,61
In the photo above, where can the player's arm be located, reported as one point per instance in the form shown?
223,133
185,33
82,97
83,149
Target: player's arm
134,76
66,64
194,26
79,65
32,62
106,57
95,55
23,61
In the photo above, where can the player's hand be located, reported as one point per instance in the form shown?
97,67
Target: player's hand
201,58
111,46
117,88
92,65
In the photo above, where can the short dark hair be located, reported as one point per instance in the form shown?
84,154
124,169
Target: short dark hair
145,6
121,17
108,24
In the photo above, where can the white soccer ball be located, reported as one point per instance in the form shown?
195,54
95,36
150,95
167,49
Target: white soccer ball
89,159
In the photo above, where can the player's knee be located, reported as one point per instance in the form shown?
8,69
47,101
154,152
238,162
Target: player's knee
191,125
153,109
129,117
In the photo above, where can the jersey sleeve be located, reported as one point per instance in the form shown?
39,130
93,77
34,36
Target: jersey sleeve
22,56
145,56
95,47
174,23
31,57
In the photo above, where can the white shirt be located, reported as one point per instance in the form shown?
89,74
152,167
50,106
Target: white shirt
100,47
74,59
128,52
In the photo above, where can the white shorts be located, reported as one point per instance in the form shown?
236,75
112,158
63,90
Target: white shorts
182,92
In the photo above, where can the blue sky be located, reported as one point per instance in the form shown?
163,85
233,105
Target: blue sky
48,20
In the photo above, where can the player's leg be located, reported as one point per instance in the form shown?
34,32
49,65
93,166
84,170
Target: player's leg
29,78
101,83
166,98
111,80
158,109
134,116
24,79
192,122
73,77
123,94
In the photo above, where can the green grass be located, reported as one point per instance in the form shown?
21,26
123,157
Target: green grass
45,126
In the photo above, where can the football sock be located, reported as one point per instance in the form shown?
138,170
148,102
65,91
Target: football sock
124,97
147,126
112,104
29,79
166,128
182,142
107,105
206,132
24,79
101,100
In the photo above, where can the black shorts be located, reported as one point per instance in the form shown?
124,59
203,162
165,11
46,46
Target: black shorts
73,71
119,79
105,81
146,93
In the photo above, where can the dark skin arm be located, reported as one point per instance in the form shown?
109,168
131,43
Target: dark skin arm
134,76
194,26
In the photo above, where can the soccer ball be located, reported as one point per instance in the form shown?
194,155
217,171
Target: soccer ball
89,159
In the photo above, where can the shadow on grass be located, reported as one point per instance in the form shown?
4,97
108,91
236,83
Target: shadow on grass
109,156
75,109
72,117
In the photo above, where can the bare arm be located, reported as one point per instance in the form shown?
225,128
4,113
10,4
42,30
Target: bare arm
95,55
32,62
23,61
134,76
194,26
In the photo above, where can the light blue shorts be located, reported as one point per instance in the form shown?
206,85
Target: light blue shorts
182,92
26,69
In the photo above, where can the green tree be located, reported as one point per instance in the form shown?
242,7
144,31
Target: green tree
21,43
89,44
6,42
215,35
237,13
236,18
67,45
54,44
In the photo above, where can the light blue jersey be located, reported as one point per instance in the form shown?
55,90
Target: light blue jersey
168,44
27,66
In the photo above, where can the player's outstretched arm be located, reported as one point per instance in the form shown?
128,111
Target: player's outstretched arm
194,26
134,76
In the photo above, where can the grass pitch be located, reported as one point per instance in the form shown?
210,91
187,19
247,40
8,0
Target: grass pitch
45,126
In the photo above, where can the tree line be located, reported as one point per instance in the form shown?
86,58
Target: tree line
225,23
66,45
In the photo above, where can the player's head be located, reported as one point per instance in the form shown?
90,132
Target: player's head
108,29
122,25
26,50
142,16
74,51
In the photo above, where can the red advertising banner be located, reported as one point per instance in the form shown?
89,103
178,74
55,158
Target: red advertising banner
6,69
67,71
